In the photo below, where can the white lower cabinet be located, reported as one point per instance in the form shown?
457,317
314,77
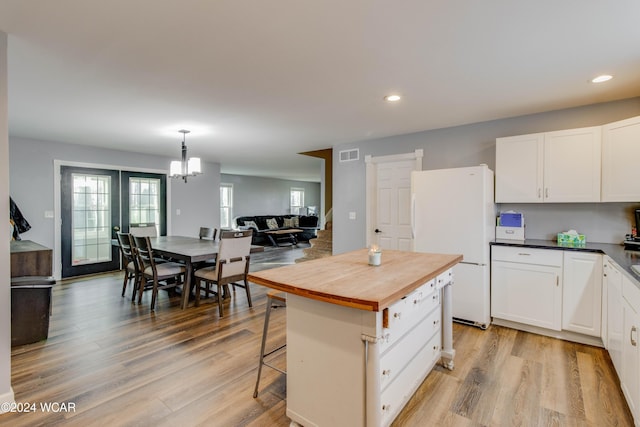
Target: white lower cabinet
630,378
614,322
582,293
559,290
526,286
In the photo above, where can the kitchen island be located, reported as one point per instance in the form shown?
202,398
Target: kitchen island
361,338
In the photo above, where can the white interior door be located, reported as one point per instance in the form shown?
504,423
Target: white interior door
389,200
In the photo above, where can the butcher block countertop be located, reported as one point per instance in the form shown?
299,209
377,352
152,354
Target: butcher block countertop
348,279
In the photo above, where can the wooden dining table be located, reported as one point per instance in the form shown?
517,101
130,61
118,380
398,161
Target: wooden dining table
189,250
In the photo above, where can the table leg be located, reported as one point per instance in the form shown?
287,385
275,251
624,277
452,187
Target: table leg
186,287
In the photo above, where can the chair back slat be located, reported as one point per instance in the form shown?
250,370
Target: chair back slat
125,245
235,247
143,229
144,252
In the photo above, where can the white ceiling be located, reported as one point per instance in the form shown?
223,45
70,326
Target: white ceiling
257,81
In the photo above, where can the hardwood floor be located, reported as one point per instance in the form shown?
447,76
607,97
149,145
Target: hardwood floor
120,364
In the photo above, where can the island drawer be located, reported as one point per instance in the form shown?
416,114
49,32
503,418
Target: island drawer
396,358
402,315
405,384
443,279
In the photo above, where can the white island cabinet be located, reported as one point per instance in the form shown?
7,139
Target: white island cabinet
361,339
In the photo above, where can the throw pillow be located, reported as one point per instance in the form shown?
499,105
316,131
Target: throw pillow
272,224
296,221
250,224
288,222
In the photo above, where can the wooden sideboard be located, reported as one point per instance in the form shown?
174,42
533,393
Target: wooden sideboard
30,259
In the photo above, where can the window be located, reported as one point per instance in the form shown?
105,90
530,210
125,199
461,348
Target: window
144,201
297,200
226,205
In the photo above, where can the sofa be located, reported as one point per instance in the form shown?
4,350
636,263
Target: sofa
309,225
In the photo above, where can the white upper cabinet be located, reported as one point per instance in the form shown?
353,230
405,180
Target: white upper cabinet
572,165
519,161
561,166
620,156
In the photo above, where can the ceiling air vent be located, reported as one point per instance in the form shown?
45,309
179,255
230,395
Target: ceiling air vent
349,155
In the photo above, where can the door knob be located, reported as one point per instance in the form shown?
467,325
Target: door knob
377,231
116,228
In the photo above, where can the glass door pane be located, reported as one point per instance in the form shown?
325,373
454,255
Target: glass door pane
144,200
90,201
91,220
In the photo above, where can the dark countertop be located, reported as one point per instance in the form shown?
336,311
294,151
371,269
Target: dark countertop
624,258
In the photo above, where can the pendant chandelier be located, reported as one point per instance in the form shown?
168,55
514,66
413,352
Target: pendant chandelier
185,167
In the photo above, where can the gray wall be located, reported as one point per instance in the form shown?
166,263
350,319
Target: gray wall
6,393
32,173
473,144
267,196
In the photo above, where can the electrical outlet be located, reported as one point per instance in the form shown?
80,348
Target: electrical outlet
352,215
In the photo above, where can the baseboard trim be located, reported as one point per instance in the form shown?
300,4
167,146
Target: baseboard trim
8,397
563,335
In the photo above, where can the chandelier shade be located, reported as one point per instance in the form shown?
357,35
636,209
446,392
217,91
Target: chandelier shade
185,167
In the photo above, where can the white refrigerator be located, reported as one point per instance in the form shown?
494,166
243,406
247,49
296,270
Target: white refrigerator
453,212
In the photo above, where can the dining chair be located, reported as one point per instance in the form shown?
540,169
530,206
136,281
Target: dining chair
171,273
208,233
232,266
143,229
131,269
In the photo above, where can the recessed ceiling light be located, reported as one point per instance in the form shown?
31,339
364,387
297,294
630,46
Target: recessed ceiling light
602,78
392,98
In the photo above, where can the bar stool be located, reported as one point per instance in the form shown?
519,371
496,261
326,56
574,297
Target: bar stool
274,300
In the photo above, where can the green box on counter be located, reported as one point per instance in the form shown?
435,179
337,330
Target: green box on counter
570,239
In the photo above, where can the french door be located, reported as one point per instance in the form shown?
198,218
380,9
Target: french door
90,203
95,204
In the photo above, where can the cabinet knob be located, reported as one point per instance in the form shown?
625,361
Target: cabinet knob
386,372
396,315
386,407
633,341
